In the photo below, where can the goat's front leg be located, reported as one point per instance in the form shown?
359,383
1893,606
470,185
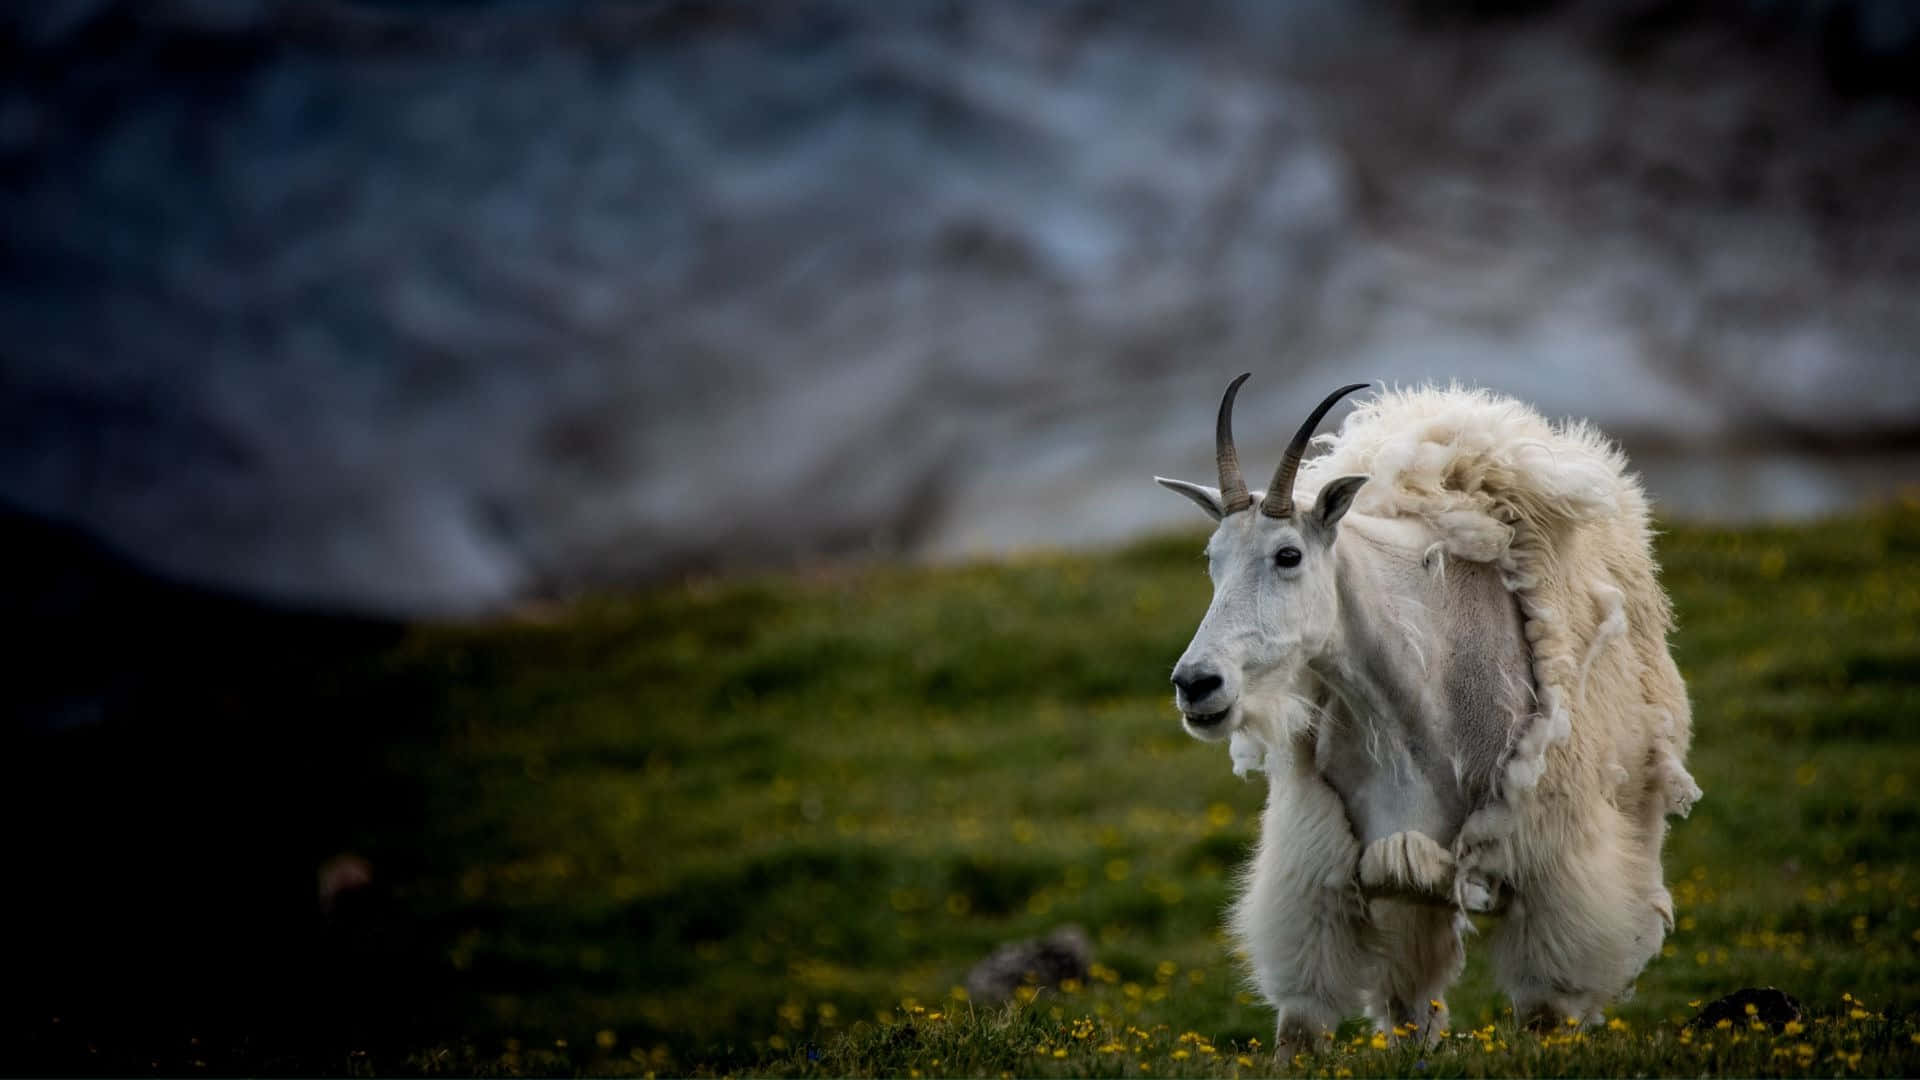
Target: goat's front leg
1482,858
1407,865
1301,922
1412,866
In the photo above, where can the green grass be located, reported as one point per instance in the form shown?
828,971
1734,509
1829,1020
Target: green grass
766,826
761,825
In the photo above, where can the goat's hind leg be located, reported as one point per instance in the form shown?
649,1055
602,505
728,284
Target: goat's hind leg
1580,929
1421,955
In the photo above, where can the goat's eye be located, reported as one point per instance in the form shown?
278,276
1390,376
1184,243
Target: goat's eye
1287,556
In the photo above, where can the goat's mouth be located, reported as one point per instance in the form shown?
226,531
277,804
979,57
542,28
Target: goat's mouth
1209,726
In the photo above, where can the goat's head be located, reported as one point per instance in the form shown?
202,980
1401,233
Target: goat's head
1273,582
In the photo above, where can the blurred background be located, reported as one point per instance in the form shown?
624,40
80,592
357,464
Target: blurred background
428,308
324,321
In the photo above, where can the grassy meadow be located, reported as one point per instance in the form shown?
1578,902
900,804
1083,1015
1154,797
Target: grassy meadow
766,826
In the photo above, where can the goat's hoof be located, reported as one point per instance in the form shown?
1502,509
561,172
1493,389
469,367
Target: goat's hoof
1481,894
1301,1025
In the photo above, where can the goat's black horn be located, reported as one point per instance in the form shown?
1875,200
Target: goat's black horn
1279,500
1233,489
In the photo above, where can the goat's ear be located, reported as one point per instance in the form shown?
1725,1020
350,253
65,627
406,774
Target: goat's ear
1334,499
1206,498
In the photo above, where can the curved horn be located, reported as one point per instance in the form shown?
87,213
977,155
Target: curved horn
1233,489
1279,500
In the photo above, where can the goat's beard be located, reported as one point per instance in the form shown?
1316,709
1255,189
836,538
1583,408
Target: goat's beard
1271,723
1249,752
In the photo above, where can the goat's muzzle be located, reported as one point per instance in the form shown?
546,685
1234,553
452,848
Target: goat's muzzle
1204,699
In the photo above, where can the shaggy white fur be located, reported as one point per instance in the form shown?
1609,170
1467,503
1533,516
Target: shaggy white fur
1572,836
1305,937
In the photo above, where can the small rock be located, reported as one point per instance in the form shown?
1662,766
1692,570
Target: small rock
342,878
1063,954
1770,1006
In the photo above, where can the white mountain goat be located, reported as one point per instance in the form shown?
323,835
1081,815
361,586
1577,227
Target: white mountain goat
1451,660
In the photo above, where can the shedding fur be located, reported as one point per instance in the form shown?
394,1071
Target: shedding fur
1555,509
1567,842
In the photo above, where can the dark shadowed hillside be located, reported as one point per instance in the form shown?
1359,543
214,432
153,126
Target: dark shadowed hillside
752,826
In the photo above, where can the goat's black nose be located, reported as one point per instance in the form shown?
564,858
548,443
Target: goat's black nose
1196,687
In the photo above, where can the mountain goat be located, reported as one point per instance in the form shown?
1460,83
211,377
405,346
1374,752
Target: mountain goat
1450,657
